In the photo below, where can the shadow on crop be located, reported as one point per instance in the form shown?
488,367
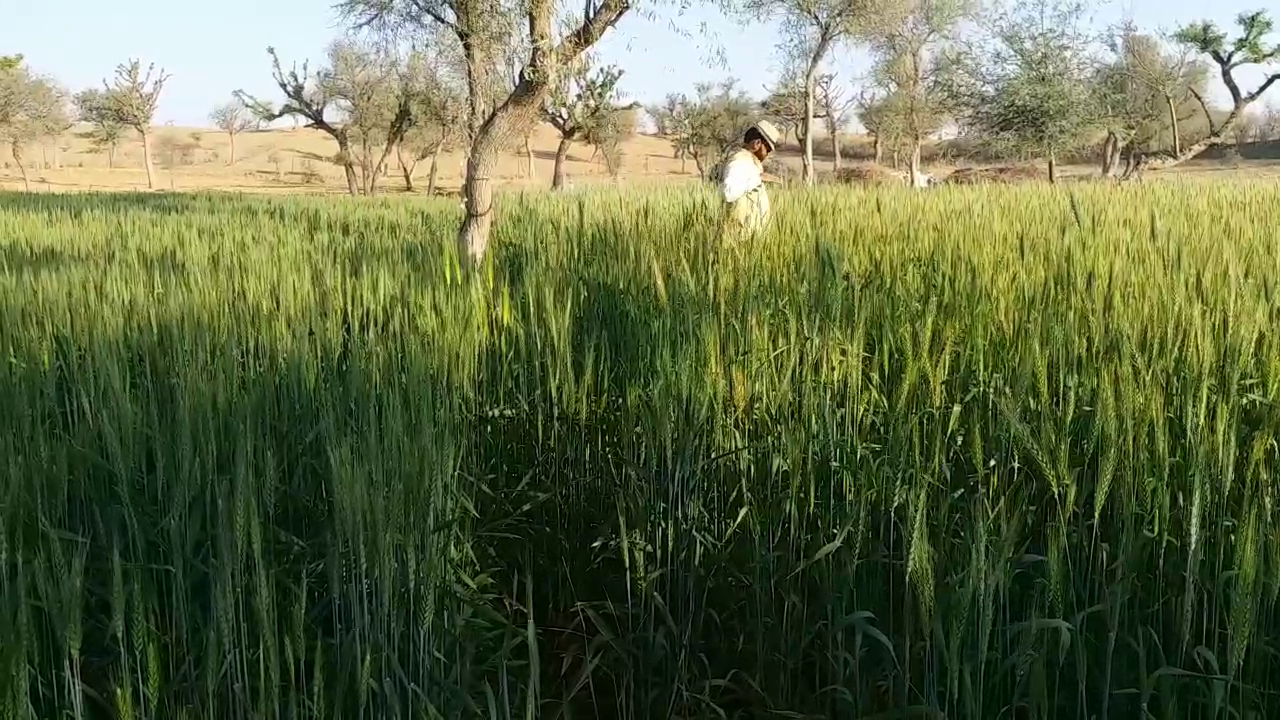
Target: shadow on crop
77,206
50,260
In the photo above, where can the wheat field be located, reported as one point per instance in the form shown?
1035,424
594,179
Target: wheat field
969,453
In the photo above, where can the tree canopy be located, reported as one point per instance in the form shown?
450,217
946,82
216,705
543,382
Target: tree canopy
31,107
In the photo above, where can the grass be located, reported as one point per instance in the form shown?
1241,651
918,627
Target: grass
1002,453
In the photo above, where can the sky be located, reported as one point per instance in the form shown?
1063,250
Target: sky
212,49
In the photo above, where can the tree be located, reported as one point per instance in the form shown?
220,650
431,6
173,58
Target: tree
105,131
31,107
264,113
672,119
584,108
439,112
714,121
131,102
1145,94
907,41
784,105
374,95
305,96
1031,92
174,151
836,108
232,118
363,99
1249,47
811,28
607,142
483,28
874,112
1269,124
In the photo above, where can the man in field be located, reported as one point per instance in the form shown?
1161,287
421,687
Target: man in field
746,204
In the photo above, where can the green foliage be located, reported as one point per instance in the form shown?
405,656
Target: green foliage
1146,87
709,124
1036,114
106,131
584,106
303,93
31,107
875,114
970,453
1030,93
363,96
1249,47
132,97
439,107
784,104
907,101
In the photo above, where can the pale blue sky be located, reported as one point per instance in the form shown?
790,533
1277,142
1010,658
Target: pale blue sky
212,48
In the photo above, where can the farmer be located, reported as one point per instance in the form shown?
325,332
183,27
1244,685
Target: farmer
746,204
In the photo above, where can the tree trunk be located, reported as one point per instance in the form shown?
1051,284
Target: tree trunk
1164,161
1129,153
1053,168
514,116
528,154
146,159
877,148
232,159
477,191
16,150
562,154
111,156
348,167
380,170
1110,154
435,169
1173,125
406,168
810,81
371,180
836,160
353,180
913,164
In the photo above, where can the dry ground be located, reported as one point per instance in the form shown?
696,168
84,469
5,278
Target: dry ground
292,161
297,161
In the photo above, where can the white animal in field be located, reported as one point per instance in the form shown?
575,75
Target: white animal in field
922,180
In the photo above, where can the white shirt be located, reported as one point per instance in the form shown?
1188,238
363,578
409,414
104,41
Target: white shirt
743,174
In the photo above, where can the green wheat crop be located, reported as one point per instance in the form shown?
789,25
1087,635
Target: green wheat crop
1003,453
